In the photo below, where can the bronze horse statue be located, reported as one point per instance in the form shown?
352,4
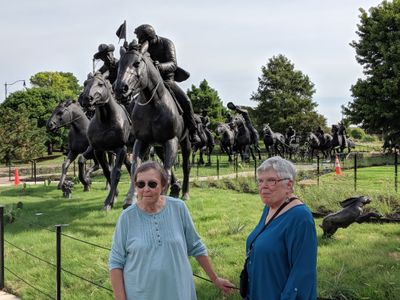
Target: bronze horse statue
274,141
155,117
69,113
205,145
339,139
245,143
316,145
227,139
109,130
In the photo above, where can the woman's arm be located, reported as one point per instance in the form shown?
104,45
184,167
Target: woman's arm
221,283
117,282
302,252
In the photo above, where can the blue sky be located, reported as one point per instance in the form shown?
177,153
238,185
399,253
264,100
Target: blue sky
224,42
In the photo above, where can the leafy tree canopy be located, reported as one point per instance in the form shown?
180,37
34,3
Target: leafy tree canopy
20,137
206,98
376,103
64,82
37,102
284,97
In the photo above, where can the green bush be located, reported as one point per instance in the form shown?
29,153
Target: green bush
369,138
357,133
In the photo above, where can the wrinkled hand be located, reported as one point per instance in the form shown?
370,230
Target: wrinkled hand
156,63
224,285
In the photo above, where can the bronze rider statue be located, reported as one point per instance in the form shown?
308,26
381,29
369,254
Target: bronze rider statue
162,52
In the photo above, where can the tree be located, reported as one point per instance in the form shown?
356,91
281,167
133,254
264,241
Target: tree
376,100
38,102
284,97
20,137
206,98
64,82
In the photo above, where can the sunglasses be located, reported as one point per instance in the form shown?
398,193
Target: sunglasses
150,184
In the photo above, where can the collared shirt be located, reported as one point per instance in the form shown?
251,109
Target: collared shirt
152,249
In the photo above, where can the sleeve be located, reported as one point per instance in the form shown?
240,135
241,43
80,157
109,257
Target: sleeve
170,55
195,247
118,249
302,254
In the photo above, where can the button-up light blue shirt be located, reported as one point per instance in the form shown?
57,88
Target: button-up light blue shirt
153,249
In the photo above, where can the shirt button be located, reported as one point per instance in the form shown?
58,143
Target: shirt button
295,289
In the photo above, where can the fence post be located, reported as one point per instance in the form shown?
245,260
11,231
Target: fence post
197,168
355,172
34,169
58,263
217,167
237,167
2,247
395,170
318,170
75,169
255,169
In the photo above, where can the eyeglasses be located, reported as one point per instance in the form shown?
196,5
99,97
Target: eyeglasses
150,184
271,181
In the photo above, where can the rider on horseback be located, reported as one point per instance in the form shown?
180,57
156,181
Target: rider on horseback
162,52
321,135
205,120
246,117
110,66
290,135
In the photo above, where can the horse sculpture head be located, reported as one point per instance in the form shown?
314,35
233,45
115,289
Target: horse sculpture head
60,116
134,65
96,91
267,129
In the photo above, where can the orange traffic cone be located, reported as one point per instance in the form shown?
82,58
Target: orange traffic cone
338,169
16,177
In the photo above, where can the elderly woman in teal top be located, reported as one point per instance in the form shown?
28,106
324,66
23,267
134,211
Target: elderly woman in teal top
282,262
151,244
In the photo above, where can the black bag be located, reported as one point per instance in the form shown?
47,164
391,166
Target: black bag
244,281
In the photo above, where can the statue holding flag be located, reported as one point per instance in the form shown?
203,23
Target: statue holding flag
110,66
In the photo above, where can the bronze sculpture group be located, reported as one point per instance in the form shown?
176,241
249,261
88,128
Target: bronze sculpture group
134,104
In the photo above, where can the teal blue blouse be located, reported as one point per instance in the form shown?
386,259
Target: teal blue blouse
153,249
283,262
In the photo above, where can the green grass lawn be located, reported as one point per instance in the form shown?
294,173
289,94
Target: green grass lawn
360,262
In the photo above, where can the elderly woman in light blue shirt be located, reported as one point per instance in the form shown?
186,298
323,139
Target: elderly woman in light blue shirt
151,244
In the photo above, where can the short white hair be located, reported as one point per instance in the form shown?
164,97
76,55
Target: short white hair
282,167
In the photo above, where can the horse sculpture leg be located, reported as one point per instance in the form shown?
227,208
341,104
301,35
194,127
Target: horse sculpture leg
67,162
115,176
185,148
84,176
170,152
101,157
138,152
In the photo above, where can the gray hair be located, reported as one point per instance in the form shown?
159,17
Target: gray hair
152,165
282,167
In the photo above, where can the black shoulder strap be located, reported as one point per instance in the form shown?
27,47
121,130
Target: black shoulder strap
270,220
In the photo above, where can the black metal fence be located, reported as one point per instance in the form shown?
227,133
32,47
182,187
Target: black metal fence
358,161
59,269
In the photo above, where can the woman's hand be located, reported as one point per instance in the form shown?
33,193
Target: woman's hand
224,285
